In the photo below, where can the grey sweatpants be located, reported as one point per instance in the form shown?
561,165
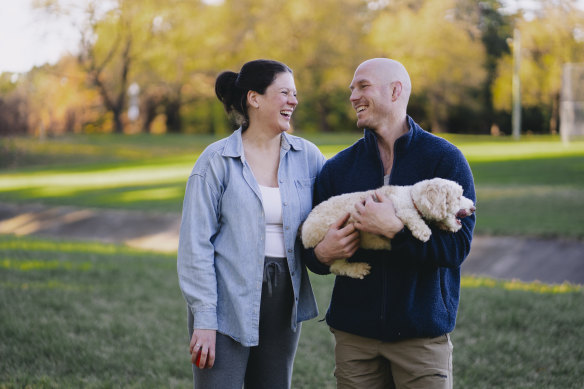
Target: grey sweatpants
268,365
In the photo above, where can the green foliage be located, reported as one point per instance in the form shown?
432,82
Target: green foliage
444,72
457,53
95,315
548,41
174,49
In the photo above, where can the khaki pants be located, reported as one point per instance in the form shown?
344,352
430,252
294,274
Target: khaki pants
364,363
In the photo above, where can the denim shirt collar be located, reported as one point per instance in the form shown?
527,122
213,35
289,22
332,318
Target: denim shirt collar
234,145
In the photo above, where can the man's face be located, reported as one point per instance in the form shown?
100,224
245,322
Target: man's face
370,97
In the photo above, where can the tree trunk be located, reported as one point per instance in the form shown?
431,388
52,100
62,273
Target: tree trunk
172,111
555,116
323,112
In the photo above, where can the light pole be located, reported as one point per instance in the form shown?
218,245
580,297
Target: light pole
516,114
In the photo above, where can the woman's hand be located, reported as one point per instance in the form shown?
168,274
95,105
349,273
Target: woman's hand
202,348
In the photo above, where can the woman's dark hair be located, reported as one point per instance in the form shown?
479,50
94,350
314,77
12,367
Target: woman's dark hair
231,88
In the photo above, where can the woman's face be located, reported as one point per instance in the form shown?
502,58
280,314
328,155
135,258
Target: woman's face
276,105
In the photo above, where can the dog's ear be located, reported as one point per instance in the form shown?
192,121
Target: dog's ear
430,198
439,209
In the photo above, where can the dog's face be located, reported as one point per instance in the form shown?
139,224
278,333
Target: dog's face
442,201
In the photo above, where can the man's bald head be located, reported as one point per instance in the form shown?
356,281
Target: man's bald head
387,71
380,92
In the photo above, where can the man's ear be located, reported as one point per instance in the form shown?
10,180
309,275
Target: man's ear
252,99
396,90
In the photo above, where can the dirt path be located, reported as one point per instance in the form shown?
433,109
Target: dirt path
527,259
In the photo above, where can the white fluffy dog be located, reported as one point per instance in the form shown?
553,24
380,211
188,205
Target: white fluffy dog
436,200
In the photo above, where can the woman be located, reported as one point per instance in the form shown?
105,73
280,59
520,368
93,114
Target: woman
239,263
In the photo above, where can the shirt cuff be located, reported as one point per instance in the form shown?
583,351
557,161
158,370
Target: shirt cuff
205,319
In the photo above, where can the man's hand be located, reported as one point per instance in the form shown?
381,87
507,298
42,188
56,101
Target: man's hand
376,215
338,243
202,348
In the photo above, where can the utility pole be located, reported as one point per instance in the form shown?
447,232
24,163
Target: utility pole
516,115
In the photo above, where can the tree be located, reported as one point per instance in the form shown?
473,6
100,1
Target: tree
107,55
14,107
179,64
321,41
444,59
552,37
110,41
59,98
494,29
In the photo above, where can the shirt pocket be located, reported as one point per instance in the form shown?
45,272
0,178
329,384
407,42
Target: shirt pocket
304,190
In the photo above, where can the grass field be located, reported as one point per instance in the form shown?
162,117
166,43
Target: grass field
532,187
87,315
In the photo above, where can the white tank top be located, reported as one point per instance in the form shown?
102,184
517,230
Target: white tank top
273,212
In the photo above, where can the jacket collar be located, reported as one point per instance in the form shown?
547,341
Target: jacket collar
403,142
234,144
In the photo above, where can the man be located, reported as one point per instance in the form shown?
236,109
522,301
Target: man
392,328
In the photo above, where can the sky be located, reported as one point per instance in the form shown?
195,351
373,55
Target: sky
29,38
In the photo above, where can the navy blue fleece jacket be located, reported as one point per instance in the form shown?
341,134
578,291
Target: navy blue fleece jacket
413,290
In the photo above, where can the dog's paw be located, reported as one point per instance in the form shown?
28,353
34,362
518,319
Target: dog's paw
360,270
357,270
350,269
422,232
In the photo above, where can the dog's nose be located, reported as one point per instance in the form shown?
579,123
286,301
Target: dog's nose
464,213
473,209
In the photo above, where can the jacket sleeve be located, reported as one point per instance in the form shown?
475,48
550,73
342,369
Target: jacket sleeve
321,192
444,249
196,253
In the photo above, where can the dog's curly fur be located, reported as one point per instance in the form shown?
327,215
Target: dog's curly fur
437,200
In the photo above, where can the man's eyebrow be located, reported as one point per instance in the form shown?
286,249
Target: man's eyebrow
360,81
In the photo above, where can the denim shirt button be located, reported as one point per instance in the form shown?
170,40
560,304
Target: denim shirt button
285,203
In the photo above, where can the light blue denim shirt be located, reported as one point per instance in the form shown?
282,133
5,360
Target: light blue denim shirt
221,246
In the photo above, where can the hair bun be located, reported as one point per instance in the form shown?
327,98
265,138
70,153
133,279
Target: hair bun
224,87
232,88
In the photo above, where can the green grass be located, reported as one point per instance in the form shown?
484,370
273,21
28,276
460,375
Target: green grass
89,315
94,315
532,187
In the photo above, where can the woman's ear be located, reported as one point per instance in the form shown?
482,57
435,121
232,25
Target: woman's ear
252,99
